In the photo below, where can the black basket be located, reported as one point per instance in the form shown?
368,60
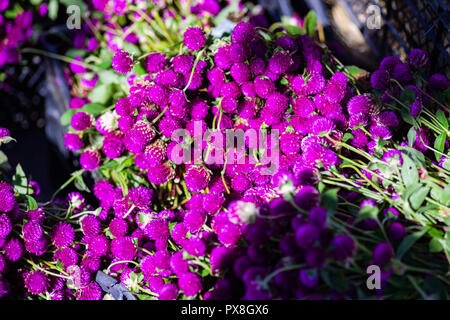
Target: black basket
405,25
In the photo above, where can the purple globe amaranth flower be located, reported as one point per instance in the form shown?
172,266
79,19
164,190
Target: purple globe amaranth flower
123,248
190,284
124,107
155,62
81,121
73,142
438,82
418,58
306,235
98,246
7,199
388,63
240,72
396,231
139,136
168,291
415,108
32,231
91,292
230,90
243,33
382,254
194,246
307,197
13,250
280,62
197,178
364,104
239,52
113,147
36,282
194,220
342,247
316,84
157,229
194,39
309,277
5,226
122,62
90,159
160,174
402,73
4,132
118,227
264,87
91,226
379,79
62,235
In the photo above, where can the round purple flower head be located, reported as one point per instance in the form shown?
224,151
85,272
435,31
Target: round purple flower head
194,38
396,231
62,235
190,284
197,178
5,226
306,235
364,103
418,58
4,132
240,72
81,121
161,173
92,292
342,247
90,225
123,248
32,231
155,62
438,82
36,282
280,62
7,199
380,80
73,142
307,197
168,291
13,250
90,159
122,62
382,254
243,33
157,229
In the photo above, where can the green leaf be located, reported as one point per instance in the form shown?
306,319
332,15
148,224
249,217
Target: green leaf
93,108
408,96
417,198
411,136
435,245
53,7
355,71
330,199
440,116
310,23
439,145
347,136
7,139
101,94
293,30
32,204
67,117
20,181
409,241
445,197
409,172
